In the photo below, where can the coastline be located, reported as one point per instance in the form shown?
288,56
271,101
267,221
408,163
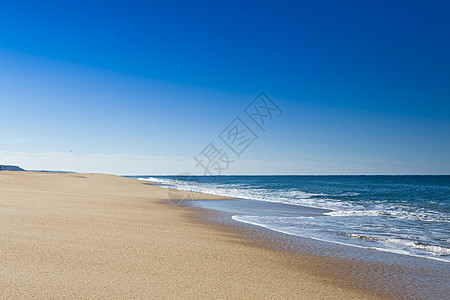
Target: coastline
385,274
94,235
415,276
334,210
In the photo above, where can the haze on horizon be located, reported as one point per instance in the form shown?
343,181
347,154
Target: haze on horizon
144,87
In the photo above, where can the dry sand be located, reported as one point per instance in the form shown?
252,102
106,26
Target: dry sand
104,236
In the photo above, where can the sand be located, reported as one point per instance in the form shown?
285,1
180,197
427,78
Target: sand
105,236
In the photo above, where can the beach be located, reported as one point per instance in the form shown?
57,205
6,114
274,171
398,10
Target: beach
105,236
225,150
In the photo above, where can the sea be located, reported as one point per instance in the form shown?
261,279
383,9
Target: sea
408,215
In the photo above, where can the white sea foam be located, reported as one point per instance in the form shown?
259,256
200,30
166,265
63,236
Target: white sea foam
436,252
292,197
301,198
350,223
354,213
154,179
397,212
433,249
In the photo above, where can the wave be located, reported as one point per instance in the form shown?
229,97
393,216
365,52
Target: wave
381,225
434,249
397,212
433,252
297,197
242,191
154,179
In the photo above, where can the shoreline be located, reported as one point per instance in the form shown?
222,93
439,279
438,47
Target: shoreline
250,216
302,211
393,264
94,235
365,269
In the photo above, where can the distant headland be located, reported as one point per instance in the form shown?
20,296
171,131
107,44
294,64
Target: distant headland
17,168
10,168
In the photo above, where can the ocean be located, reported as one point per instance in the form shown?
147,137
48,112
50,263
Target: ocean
407,215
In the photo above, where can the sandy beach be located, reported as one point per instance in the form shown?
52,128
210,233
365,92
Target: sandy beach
105,236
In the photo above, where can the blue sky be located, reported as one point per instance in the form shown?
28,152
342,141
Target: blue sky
141,88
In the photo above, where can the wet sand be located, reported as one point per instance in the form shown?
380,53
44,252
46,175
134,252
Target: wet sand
104,236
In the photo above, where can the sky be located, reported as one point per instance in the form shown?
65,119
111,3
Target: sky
143,87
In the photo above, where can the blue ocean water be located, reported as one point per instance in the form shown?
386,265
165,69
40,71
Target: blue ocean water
402,214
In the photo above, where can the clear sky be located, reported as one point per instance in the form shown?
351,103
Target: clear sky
141,87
